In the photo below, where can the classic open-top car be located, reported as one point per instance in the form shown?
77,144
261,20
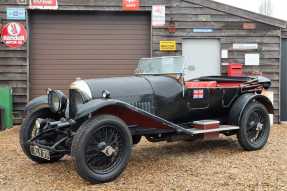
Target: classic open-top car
102,119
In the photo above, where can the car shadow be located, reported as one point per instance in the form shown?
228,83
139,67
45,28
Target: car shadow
150,155
164,149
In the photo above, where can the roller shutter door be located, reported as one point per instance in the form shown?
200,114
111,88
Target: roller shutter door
65,46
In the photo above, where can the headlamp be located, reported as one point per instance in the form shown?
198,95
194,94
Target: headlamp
57,101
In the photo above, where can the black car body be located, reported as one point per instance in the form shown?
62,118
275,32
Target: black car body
103,117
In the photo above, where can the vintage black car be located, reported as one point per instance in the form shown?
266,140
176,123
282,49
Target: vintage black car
102,119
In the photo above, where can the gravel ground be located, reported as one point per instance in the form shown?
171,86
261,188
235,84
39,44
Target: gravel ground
213,165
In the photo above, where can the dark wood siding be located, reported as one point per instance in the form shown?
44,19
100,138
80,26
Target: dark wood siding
86,45
226,25
284,33
13,68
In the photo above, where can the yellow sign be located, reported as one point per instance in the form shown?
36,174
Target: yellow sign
167,45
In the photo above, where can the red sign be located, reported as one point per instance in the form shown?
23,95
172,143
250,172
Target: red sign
249,26
131,5
14,35
43,4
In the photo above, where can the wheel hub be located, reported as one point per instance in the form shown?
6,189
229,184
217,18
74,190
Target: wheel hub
259,127
101,146
108,151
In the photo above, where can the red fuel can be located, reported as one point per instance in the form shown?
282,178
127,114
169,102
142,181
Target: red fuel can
234,69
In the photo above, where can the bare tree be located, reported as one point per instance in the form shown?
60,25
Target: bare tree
266,7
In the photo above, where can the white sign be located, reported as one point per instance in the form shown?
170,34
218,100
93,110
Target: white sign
15,13
247,46
202,30
158,15
252,59
224,53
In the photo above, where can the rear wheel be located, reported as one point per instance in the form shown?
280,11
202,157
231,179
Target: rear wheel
254,127
29,130
101,148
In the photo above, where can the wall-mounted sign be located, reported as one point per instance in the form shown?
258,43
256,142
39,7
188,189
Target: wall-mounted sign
158,15
202,30
224,53
245,46
14,35
131,5
43,4
13,13
167,45
249,26
252,59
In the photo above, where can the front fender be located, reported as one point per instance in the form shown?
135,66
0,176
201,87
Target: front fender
98,104
36,104
240,104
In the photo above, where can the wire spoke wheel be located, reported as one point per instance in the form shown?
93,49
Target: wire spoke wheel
104,149
254,127
256,124
31,127
101,148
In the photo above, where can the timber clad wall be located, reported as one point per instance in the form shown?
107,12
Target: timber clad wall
13,67
284,33
227,28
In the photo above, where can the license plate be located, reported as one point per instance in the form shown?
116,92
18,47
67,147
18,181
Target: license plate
40,152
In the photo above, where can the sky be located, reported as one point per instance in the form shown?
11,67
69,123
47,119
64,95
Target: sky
278,6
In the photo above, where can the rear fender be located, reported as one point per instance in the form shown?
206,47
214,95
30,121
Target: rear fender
37,104
240,104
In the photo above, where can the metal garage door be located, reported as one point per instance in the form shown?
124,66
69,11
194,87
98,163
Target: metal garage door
65,46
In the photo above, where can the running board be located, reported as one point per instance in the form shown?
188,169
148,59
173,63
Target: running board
221,128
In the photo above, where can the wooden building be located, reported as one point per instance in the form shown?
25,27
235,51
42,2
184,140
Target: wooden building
96,38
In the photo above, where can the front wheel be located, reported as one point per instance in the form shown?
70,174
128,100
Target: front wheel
254,127
29,130
101,148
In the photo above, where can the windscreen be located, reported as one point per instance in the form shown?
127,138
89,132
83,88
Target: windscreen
161,65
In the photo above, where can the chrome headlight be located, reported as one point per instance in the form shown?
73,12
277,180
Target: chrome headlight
57,101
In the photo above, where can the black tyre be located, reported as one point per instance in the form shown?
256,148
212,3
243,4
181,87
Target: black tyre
254,127
101,148
136,139
27,131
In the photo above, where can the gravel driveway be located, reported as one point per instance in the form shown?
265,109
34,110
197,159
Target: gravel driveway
213,165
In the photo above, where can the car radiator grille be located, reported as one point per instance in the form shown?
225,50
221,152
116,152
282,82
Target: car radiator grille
146,106
145,102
